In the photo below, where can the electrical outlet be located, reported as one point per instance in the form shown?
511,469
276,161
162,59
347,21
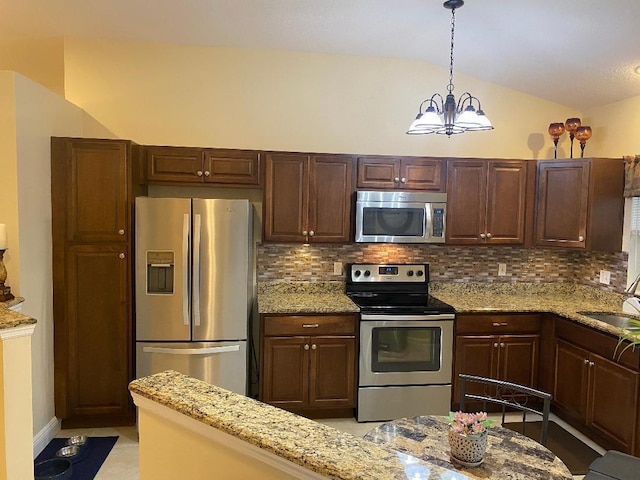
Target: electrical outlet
502,269
337,268
605,277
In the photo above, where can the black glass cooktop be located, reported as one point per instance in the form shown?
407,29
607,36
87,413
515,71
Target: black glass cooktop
399,303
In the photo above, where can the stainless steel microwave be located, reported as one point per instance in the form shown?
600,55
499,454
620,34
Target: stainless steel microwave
400,217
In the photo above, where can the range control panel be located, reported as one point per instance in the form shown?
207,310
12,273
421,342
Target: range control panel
368,272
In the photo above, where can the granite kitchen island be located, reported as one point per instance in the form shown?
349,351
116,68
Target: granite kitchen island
191,429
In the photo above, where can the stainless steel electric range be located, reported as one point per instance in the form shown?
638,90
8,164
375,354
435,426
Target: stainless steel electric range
406,342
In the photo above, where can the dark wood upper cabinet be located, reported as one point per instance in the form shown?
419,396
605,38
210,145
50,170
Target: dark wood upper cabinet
407,173
308,198
93,185
224,167
93,189
580,204
487,201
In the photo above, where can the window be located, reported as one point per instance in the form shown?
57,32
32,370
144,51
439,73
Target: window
633,237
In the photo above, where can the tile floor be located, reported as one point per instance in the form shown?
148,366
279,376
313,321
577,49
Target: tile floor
122,462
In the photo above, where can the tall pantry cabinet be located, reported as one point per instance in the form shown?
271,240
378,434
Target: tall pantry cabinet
93,186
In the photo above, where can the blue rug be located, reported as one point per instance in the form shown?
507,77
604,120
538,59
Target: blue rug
90,459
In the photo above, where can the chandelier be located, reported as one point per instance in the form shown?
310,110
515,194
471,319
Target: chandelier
459,117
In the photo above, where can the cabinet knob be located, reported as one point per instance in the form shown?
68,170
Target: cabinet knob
304,232
121,231
581,238
311,233
488,235
482,235
199,173
306,346
122,255
313,347
586,361
501,344
591,364
207,173
495,345
396,179
403,180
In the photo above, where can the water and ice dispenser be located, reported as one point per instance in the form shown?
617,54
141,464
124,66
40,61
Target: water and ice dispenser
160,272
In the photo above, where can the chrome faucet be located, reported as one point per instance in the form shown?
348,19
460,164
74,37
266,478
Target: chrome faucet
631,289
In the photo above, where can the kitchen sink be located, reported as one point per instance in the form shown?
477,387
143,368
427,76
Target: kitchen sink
617,320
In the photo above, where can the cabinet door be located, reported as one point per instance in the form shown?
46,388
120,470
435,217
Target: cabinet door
613,402
285,371
518,359
93,341
90,178
466,202
474,355
563,195
174,164
232,167
332,372
571,380
506,201
286,197
330,188
378,172
421,174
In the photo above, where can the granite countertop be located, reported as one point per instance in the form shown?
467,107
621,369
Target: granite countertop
562,299
12,319
304,297
466,297
510,455
317,447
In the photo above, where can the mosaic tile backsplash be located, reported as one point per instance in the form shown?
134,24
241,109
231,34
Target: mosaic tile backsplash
296,262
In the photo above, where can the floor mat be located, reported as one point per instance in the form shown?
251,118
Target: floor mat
89,461
573,452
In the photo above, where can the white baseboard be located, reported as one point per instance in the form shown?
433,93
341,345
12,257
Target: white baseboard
45,435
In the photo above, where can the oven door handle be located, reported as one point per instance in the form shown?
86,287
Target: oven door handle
406,318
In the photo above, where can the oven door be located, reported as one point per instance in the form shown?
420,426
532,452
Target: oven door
405,350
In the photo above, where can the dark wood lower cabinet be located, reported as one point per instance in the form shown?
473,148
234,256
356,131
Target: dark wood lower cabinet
598,393
596,390
313,375
93,361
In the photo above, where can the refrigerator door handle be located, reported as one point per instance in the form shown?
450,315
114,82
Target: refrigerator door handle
185,269
191,351
197,230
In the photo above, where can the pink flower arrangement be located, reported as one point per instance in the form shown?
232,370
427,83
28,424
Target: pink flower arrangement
469,423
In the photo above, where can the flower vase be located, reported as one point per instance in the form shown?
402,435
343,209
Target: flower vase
468,450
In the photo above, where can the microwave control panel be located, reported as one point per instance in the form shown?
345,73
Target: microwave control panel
437,229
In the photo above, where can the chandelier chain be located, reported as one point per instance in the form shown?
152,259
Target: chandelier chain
453,29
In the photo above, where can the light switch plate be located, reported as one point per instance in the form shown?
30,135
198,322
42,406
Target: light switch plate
605,277
337,268
502,269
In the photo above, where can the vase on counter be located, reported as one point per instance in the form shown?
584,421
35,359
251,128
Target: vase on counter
468,450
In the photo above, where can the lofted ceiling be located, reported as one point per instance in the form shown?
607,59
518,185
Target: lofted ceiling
580,53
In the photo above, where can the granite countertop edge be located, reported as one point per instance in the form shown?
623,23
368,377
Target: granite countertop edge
12,319
312,445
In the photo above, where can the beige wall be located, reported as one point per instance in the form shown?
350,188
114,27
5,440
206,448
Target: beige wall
223,97
30,115
615,129
40,59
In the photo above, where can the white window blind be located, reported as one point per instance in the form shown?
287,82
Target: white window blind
634,242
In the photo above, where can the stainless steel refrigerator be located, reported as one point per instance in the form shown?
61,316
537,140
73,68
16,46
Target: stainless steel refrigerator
194,288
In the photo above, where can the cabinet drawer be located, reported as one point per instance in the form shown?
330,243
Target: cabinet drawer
498,324
309,325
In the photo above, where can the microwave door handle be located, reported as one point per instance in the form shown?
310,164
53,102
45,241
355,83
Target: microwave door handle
197,231
185,268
